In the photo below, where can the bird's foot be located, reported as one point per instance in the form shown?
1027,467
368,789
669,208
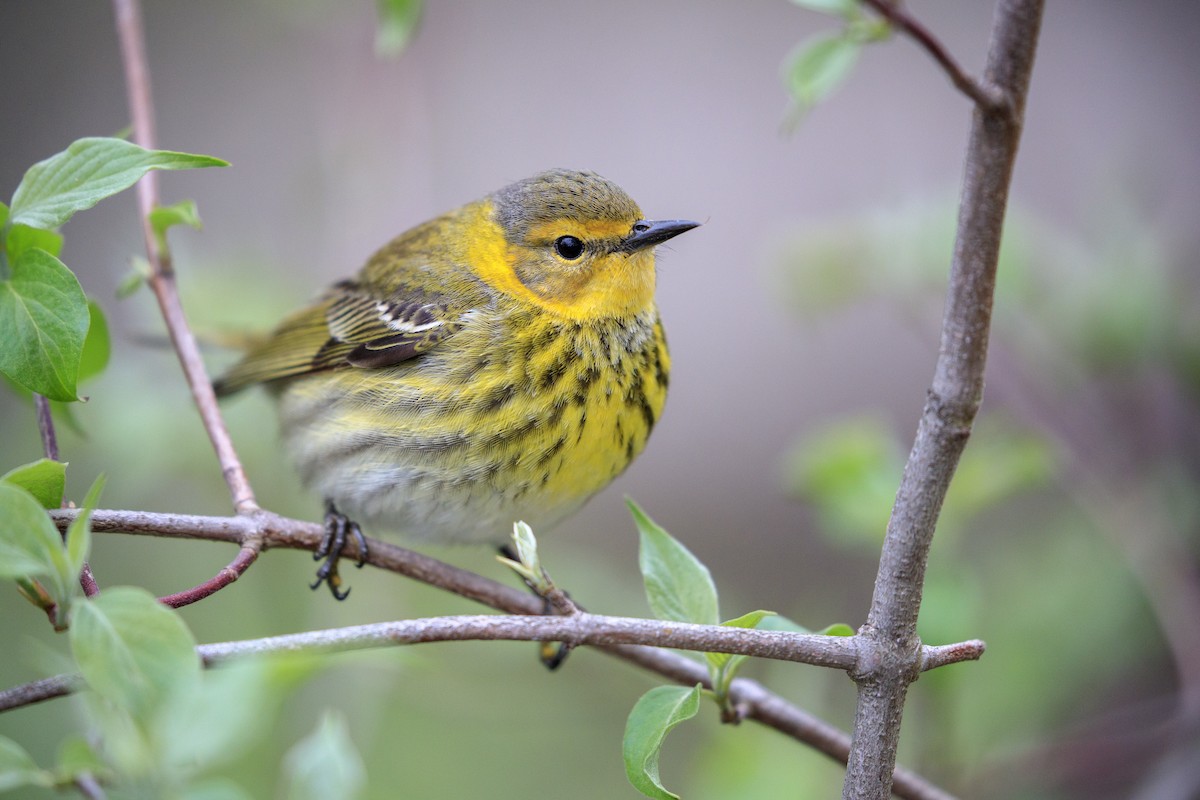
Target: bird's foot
338,530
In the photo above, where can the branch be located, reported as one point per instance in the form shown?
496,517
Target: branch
270,530
36,691
227,575
162,277
274,531
46,427
941,655
954,398
45,419
89,787
580,628
986,96
162,283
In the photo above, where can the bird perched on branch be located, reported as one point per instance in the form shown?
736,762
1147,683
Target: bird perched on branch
502,362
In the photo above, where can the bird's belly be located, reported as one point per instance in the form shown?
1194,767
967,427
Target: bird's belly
463,464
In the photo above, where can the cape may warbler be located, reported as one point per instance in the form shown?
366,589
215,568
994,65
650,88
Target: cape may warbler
504,361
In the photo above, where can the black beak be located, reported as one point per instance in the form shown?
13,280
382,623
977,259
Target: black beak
647,233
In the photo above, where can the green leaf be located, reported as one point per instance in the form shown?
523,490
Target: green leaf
841,8
164,217
76,757
44,479
751,620
17,768
818,66
723,667
5,270
678,586
528,565
652,718
214,789
30,545
398,21
837,629
43,323
849,473
132,649
96,347
867,30
79,533
782,623
85,173
526,544
325,764
138,275
722,673
220,717
23,237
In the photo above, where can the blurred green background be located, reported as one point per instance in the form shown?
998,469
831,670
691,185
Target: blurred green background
803,321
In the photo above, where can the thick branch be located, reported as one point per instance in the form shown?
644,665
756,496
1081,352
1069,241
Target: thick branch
954,398
162,277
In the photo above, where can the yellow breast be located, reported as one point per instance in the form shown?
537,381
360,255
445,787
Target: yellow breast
469,438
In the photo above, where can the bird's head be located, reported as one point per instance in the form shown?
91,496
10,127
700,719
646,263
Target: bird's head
575,244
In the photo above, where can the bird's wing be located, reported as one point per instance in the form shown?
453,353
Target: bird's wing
350,327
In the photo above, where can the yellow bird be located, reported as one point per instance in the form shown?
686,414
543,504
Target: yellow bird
502,362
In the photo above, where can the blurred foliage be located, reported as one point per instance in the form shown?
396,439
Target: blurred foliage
849,472
819,65
398,20
326,763
1092,343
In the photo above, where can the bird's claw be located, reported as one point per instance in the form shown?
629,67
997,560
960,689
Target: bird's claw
338,530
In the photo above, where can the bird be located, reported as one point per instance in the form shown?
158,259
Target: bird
504,361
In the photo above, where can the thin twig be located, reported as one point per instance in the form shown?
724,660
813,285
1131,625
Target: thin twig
40,690
45,419
227,575
580,628
162,277
985,96
275,531
46,426
892,653
940,655
89,787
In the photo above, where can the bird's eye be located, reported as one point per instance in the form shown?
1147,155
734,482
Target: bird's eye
568,247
